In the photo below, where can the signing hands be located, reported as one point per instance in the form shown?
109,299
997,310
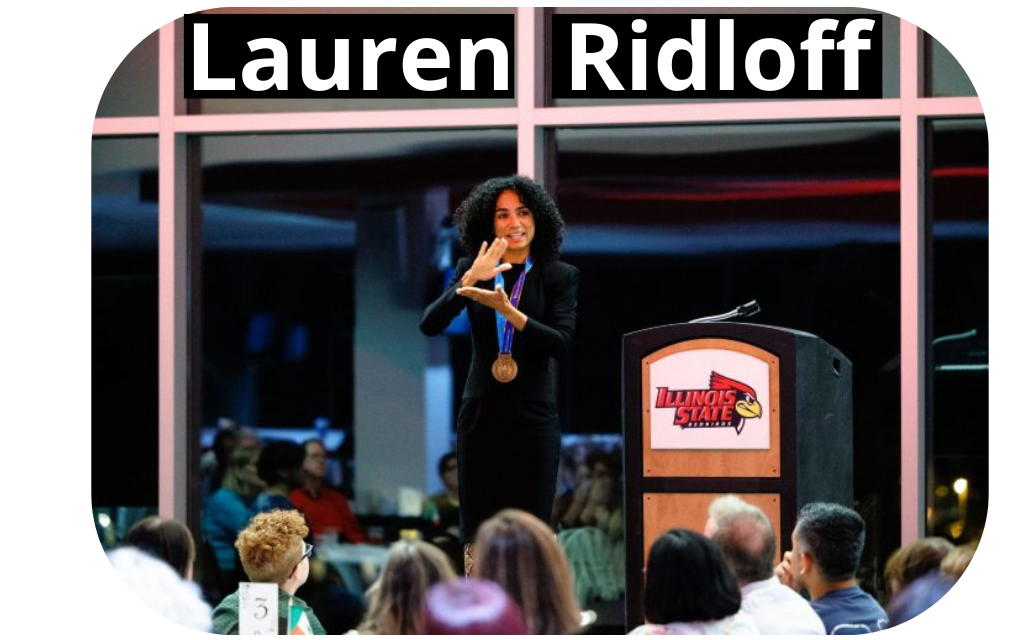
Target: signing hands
486,264
496,299
485,267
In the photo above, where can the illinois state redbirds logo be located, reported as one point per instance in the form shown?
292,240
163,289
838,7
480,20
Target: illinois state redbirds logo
728,403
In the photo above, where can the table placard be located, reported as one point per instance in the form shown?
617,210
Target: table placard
258,609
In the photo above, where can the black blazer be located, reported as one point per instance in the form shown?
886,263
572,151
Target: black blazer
550,300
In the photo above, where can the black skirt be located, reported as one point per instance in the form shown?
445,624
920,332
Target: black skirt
508,452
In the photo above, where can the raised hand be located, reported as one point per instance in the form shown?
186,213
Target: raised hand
486,264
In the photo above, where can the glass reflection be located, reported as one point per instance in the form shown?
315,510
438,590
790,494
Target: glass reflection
124,289
668,224
959,348
320,253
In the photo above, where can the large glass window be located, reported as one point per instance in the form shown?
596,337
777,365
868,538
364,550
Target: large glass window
669,224
124,288
320,252
958,179
280,232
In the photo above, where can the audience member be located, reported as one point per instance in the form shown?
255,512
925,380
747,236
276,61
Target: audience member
215,460
573,474
248,438
327,511
166,540
921,594
689,590
272,549
593,531
520,553
915,560
746,540
160,587
471,607
280,467
957,561
229,508
827,548
570,474
443,510
444,507
597,498
395,599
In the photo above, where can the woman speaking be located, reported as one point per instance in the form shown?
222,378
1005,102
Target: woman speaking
522,303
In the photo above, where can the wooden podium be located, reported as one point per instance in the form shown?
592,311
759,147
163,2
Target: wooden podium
717,408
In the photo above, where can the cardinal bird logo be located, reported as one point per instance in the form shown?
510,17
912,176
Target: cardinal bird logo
727,403
747,404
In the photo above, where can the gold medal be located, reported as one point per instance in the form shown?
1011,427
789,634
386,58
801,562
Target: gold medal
504,369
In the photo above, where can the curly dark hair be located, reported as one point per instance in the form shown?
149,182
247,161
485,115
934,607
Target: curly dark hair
476,214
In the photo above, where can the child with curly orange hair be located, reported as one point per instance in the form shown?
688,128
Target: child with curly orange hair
272,549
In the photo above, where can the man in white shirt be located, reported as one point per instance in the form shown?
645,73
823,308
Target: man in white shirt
746,539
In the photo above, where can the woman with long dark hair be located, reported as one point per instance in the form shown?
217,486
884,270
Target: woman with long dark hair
522,302
689,590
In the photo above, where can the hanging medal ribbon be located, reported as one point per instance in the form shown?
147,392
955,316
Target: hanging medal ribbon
504,369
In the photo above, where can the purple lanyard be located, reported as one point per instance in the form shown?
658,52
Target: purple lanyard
503,327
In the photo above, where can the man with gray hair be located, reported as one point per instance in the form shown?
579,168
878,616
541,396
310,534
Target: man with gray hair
747,541
827,548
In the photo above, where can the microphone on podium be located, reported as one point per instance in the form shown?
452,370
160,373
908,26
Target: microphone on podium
742,311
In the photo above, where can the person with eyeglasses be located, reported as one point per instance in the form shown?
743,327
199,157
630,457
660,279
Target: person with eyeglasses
442,511
444,508
272,549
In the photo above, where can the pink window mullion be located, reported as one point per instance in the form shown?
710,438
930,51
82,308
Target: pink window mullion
172,290
529,89
913,343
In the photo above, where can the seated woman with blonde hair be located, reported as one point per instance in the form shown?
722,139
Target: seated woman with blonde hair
396,598
519,552
957,561
227,511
